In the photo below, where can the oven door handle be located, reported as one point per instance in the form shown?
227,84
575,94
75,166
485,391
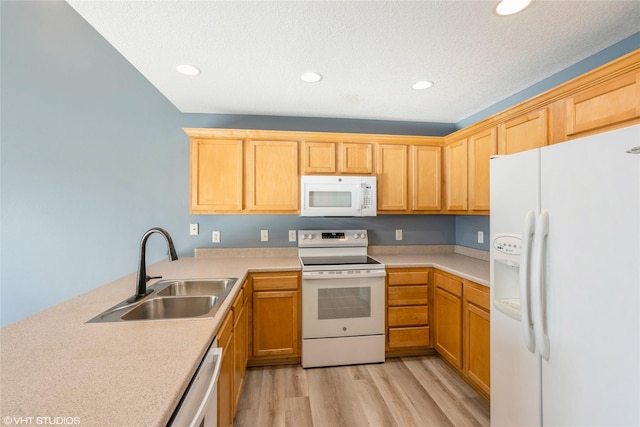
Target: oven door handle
325,276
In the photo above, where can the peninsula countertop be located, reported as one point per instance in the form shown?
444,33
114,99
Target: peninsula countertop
53,364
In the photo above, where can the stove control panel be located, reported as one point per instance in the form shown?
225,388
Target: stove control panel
332,238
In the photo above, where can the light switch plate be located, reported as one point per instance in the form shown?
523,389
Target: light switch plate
480,237
193,229
292,235
215,237
398,234
264,235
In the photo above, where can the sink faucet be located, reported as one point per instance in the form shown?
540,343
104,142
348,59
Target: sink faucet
141,288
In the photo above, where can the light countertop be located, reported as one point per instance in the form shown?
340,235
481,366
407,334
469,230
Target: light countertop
53,364
466,267
113,374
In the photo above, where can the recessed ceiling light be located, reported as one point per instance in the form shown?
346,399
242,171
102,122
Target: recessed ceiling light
509,7
422,84
311,77
188,70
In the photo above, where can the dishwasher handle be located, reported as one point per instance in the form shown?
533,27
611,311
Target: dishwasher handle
199,404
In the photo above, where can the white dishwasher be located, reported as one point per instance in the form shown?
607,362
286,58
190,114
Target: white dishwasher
198,407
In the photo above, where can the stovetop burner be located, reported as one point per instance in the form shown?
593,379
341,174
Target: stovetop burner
340,250
338,260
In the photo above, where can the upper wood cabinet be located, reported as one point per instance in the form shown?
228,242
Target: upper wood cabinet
232,172
426,178
524,132
481,147
272,176
216,175
392,170
328,158
609,103
456,175
318,158
356,158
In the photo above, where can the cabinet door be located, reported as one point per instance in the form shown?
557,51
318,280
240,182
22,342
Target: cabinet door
392,172
275,323
523,133
216,175
272,176
318,158
482,146
356,158
448,325
225,379
448,317
239,346
426,179
477,355
612,102
455,155
477,345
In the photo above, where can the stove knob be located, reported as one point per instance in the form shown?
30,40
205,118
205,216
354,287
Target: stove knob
310,236
356,236
363,236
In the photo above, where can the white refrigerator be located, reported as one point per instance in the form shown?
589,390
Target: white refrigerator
565,283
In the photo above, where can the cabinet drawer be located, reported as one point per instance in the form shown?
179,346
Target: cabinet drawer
408,316
275,283
474,293
408,278
408,337
448,284
408,295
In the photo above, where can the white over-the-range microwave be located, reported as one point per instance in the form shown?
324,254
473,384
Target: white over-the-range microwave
338,195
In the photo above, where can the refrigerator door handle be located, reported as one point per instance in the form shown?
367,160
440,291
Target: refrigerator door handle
538,285
525,281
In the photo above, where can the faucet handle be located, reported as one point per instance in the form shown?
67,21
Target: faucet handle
153,277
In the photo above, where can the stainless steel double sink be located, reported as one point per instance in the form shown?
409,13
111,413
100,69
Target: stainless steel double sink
172,299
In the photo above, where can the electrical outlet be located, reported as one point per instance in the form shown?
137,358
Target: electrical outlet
215,237
193,229
398,234
292,235
480,237
264,235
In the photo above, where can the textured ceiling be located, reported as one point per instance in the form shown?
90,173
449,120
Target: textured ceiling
252,52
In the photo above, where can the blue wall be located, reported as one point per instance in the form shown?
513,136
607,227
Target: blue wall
609,54
93,155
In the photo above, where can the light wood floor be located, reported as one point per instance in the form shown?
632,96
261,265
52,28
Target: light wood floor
408,391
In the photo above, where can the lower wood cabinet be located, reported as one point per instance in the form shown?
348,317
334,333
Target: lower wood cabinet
476,333
462,328
276,330
225,380
407,311
448,317
239,344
